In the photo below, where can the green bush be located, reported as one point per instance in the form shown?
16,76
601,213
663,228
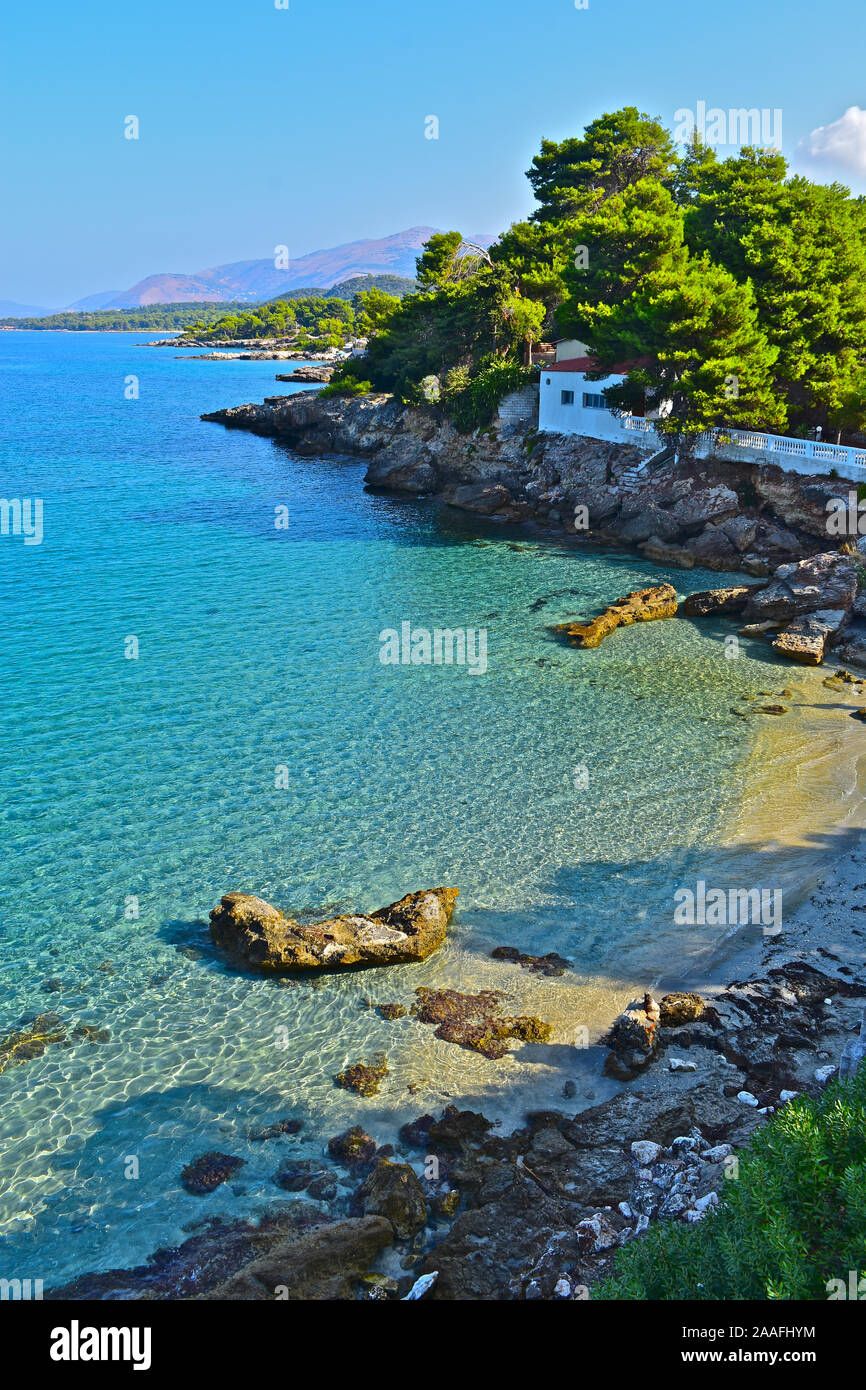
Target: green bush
346,386
793,1219
473,404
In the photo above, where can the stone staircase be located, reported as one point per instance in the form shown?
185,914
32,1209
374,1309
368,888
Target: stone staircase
631,477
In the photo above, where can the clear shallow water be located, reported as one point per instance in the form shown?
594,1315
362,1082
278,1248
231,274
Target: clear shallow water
156,778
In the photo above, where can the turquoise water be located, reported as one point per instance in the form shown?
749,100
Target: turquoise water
154,779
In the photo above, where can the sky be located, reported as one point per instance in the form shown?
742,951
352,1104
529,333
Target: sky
305,126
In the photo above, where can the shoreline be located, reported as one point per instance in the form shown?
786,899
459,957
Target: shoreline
581,1157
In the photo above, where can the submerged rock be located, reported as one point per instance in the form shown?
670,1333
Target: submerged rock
474,1021
31,1039
363,1078
551,964
259,1133
354,1146
392,1011
392,1190
253,931
209,1171
639,606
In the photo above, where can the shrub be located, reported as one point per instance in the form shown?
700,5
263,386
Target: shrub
471,402
793,1219
346,386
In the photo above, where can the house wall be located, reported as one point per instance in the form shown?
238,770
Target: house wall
577,419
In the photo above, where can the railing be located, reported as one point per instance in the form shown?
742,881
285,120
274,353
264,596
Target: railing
720,439
799,448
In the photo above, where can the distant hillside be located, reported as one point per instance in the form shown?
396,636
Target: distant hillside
158,316
254,281
11,306
391,284
168,316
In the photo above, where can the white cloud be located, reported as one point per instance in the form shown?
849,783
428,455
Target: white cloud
842,142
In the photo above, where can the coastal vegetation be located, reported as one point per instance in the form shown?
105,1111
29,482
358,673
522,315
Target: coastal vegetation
736,289
791,1222
145,319
199,318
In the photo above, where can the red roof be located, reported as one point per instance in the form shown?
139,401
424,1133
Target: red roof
590,364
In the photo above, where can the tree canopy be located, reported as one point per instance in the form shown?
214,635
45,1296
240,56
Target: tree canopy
737,289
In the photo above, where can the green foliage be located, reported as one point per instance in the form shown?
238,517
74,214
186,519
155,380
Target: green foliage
471,404
793,1219
739,292
329,320
147,319
373,309
346,386
615,151
437,262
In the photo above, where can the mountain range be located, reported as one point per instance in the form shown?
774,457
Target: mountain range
254,281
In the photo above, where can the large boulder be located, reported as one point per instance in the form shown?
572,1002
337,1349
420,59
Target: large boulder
633,1039
250,929
825,581
710,602
714,549
640,606
321,1264
692,512
806,638
406,465
485,498
392,1190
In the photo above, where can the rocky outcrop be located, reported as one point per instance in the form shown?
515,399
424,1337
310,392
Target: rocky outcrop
806,638
209,1172
322,1264
710,602
717,514
475,1020
639,606
827,580
392,1190
807,608
320,371
257,934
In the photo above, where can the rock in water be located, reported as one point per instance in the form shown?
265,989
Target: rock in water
633,1039
209,1171
392,1190
717,601
640,606
258,934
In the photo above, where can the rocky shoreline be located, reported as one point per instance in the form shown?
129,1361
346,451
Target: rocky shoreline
732,517
453,1209
540,1213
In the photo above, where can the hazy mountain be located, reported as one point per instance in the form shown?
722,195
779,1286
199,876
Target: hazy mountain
10,308
252,281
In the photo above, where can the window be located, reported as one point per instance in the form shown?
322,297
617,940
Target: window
567,397
592,402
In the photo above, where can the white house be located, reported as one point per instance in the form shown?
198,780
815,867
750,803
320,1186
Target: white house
569,404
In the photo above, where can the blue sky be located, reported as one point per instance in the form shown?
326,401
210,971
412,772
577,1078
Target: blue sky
305,126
